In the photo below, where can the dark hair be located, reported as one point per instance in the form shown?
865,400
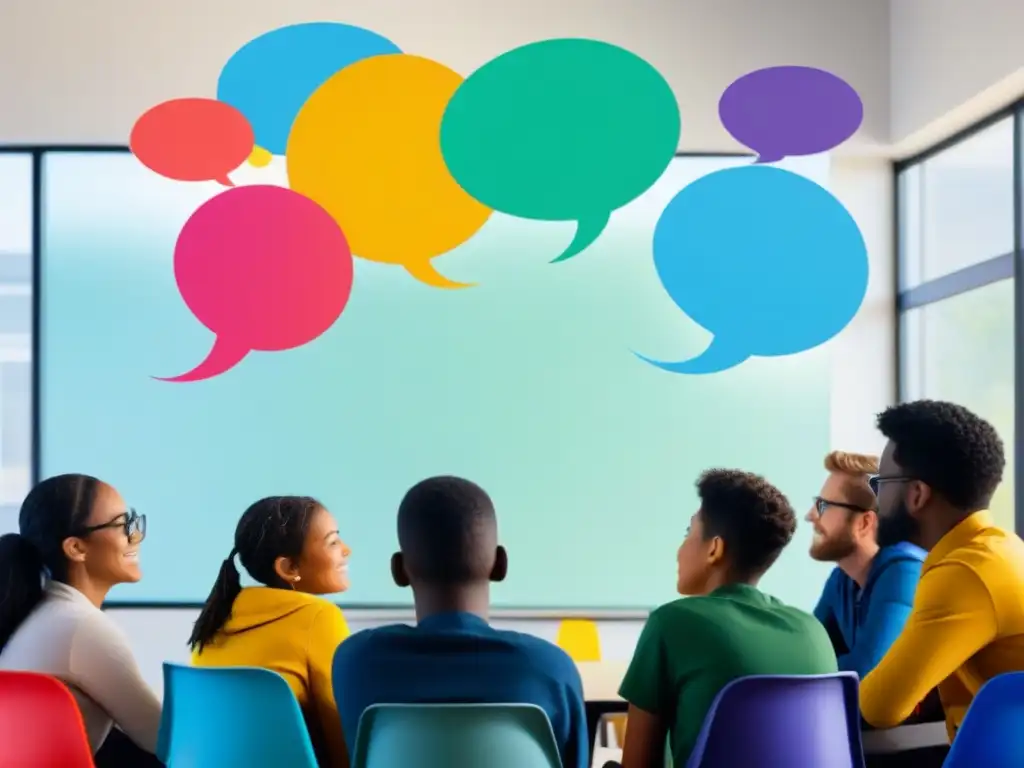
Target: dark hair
447,531
54,510
752,516
271,528
956,452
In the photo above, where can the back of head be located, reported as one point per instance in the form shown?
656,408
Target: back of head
448,532
952,450
269,529
855,471
53,511
751,516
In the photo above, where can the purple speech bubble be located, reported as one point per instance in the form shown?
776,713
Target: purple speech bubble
788,111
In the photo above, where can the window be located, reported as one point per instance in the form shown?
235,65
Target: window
958,250
15,333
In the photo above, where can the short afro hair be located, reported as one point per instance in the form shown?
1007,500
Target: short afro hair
752,517
953,450
448,531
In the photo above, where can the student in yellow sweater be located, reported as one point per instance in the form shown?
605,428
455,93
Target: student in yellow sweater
290,544
936,477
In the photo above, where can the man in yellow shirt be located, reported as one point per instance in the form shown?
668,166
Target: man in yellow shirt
937,475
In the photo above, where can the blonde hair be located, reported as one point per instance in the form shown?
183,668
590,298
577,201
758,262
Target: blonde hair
851,463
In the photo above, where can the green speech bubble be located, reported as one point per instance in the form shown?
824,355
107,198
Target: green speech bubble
561,130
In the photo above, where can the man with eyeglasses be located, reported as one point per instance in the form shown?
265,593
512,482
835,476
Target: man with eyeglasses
868,596
936,478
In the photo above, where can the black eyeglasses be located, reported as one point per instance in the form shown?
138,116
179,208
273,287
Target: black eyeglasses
820,505
133,524
877,480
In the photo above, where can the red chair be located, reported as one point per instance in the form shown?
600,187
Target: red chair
40,725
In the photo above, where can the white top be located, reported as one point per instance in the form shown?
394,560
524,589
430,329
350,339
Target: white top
68,637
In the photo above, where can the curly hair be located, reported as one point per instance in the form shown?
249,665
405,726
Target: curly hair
752,517
956,452
271,528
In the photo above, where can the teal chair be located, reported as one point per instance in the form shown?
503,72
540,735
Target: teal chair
231,717
455,736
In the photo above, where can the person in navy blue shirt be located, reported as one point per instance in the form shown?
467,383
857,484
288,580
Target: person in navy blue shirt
447,534
868,596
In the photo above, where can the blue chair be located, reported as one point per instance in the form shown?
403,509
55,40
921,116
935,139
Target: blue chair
991,734
783,720
455,736
231,717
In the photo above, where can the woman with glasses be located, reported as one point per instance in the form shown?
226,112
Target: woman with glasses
77,539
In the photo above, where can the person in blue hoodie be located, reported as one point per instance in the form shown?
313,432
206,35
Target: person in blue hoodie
868,596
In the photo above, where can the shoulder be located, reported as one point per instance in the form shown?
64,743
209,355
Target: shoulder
543,655
95,636
366,642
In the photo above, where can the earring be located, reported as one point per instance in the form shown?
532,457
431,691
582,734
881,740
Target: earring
296,578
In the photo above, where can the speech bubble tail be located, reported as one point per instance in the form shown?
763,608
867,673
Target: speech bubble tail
424,272
768,157
259,157
224,356
224,181
718,357
587,231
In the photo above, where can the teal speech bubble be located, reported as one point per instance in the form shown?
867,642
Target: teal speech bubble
561,130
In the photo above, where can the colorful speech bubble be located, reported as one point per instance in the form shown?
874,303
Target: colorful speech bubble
767,261
790,111
269,78
561,130
365,147
265,269
192,140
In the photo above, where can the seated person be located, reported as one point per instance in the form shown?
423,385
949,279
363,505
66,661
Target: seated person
937,475
867,598
290,545
79,533
448,537
691,648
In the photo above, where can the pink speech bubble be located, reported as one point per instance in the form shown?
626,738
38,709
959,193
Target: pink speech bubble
265,269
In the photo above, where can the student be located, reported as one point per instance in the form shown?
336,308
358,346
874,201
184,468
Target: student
80,534
290,544
937,475
691,648
449,554
867,598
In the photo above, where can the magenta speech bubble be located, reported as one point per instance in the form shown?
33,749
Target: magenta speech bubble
790,111
265,269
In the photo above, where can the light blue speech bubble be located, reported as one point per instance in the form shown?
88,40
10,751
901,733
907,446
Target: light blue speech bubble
766,260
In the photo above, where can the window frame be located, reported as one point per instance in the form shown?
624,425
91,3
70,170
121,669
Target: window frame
996,268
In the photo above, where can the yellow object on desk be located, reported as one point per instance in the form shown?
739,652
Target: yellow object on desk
579,638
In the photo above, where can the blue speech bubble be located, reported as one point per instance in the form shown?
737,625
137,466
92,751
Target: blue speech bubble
269,78
766,260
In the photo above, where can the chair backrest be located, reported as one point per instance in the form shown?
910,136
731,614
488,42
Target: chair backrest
455,736
231,716
40,724
991,734
783,720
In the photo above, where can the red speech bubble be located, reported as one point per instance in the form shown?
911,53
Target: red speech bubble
265,269
192,140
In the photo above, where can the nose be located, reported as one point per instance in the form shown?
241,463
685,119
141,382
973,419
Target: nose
811,516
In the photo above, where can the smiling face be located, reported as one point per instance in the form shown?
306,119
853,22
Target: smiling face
323,564
107,546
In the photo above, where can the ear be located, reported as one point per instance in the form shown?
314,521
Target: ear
286,569
74,549
398,572
716,550
918,496
500,569
867,523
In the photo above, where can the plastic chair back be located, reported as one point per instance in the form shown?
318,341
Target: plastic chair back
991,734
40,724
786,720
231,717
455,736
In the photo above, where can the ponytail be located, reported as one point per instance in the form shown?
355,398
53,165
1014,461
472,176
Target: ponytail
217,609
21,582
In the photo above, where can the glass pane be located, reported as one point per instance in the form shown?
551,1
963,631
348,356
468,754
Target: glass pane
956,208
961,349
15,334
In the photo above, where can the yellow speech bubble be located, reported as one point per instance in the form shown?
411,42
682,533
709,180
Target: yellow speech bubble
260,158
366,147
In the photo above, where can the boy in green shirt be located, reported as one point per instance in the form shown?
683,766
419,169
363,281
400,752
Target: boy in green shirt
692,647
